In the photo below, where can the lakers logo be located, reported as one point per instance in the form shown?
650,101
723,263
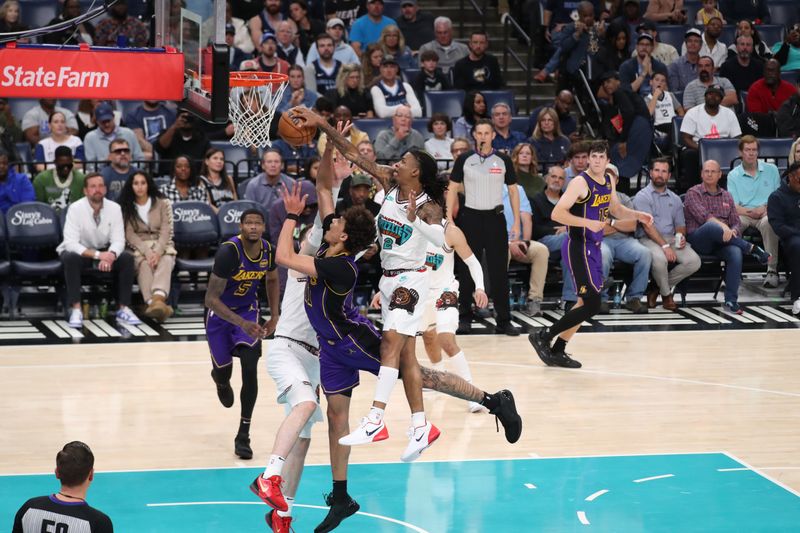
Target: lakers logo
447,300
583,290
403,298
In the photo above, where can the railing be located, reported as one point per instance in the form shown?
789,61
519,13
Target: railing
508,51
480,10
587,88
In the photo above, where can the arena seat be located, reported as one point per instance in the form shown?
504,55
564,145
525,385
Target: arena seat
782,12
391,9
691,7
195,226
20,106
519,123
37,13
495,97
421,125
372,126
773,33
450,103
33,227
241,187
790,76
410,74
230,214
723,151
777,149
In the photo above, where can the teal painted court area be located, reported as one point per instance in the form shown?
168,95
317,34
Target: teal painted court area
653,493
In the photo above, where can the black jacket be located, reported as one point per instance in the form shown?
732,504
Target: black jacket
629,105
783,210
543,224
788,117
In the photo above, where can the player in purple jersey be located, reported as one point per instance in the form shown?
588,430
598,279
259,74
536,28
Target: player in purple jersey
584,208
349,342
232,316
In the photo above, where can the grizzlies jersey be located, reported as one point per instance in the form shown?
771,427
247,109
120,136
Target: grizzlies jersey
440,263
241,291
594,207
293,322
401,246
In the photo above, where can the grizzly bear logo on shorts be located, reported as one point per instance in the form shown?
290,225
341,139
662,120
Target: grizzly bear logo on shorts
404,298
447,300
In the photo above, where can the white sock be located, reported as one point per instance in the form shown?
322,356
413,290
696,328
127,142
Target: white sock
375,414
387,377
418,419
461,366
289,503
274,466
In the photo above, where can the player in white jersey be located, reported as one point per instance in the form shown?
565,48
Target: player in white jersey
409,218
440,321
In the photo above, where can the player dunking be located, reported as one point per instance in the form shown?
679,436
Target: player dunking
349,342
232,321
409,218
584,207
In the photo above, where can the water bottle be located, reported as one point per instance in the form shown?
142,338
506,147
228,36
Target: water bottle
103,309
617,295
511,302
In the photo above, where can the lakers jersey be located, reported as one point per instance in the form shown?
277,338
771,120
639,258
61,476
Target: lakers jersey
594,206
241,290
401,246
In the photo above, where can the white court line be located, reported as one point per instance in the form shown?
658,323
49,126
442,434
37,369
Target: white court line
583,519
762,474
91,326
133,329
596,495
637,322
652,478
110,365
72,332
18,329
732,469
178,320
105,326
178,332
530,486
494,323
773,313
14,336
702,316
708,313
412,527
148,330
536,322
52,326
760,468
13,323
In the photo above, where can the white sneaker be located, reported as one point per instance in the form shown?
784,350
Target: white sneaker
76,319
771,280
796,307
475,407
420,439
367,431
127,316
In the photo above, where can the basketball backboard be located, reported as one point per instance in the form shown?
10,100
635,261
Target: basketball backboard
197,28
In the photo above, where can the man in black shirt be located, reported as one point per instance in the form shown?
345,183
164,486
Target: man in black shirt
744,68
478,71
66,510
416,25
182,138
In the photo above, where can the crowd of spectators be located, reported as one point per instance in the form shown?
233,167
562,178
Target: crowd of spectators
358,63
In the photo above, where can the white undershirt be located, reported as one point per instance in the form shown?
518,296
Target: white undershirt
144,209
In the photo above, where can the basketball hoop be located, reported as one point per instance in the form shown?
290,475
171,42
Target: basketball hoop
252,101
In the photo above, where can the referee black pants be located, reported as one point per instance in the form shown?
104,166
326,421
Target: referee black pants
485,232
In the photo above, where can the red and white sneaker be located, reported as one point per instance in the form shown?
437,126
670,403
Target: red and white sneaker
277,523
269,490
419,439
367,431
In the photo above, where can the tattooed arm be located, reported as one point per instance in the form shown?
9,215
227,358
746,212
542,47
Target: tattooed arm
382,173
216,286
450,384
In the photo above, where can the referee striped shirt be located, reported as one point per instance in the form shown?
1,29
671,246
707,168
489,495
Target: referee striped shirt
483,178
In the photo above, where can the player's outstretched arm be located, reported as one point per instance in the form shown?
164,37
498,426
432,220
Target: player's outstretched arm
455,238
621,212
576,189
383,173
285,254
325,201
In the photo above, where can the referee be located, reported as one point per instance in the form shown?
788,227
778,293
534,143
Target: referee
480,174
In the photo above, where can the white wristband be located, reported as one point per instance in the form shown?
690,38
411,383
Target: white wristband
96,255
665,245
612,222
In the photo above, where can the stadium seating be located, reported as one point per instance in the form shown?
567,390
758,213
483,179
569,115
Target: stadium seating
519,123
790,76
372,126
772,33
32,228
723,151
494,97
195,226
421,125
672,34
450,103
777,149
410,74
391,9
37,13
782,12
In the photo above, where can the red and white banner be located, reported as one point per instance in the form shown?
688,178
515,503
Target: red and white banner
74,73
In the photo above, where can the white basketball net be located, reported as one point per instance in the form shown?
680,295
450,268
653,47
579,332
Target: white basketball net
251,110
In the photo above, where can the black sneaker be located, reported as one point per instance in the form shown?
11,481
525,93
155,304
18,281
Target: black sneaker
338,512
224,392
636,307
762,255
464,327
563,359
241,447
507,328
506,413
542,347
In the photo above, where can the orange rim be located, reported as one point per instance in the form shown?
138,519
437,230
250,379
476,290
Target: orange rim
256,79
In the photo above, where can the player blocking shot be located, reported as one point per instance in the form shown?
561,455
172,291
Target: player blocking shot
232,321
584,208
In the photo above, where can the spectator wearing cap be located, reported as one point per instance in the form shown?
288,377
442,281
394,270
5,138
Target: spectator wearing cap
266,21
743,68
636,72
479,71
448,50
664,52
392,143
61,185
788,52
358,193
626,125
416,25
286,37
120,29
710,44
708,121
389,92
307,27
322,72
268,60
96,143
342,51
684,69
694,93
666,12
783,210
767,94
367,29
235,55
36,120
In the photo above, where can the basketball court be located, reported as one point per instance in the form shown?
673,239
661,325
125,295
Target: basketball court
684,421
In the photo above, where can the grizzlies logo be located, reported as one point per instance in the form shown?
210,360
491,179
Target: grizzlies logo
403,298
447,300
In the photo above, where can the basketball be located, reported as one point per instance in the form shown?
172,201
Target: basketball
294,132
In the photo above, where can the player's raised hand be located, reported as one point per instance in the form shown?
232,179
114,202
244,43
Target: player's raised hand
307,115
481,300
344,127
292,200
411,207
341,168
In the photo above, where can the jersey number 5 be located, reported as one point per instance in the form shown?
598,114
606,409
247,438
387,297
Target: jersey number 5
243,287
